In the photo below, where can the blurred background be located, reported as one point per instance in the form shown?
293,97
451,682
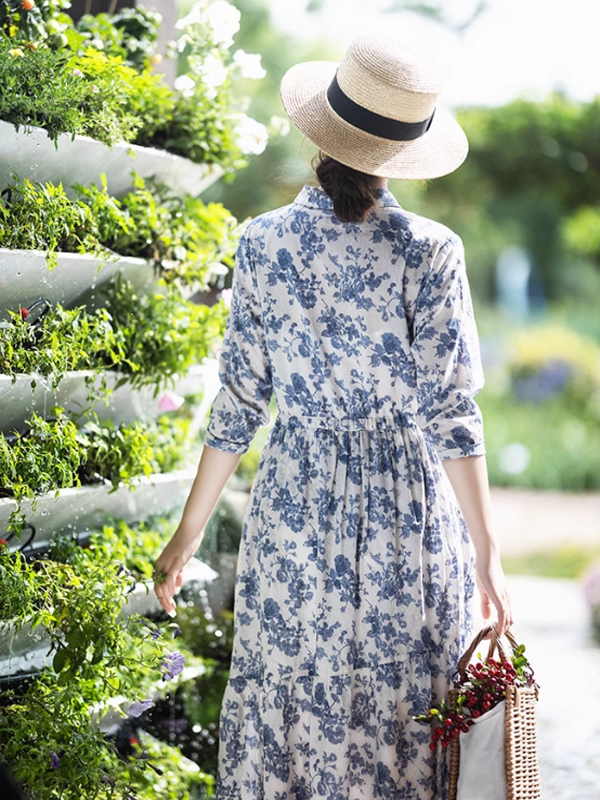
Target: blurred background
522,78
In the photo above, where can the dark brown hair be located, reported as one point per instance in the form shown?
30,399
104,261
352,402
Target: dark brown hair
352,192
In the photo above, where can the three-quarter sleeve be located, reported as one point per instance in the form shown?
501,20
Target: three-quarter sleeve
242,404
448,363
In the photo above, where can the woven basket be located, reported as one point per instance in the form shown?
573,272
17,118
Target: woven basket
520,738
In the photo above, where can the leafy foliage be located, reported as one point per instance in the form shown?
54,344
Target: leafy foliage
40,216
187,239
95,78
55,454
150,338
198,128
48,731
90,94
130,33
164,335
17,21
66,340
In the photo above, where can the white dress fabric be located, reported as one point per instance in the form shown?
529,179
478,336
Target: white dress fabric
355,573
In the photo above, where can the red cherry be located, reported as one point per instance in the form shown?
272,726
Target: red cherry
24,312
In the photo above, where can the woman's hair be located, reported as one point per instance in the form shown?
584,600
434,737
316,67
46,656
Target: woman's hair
352,192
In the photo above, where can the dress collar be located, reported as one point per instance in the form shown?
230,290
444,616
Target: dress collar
315,197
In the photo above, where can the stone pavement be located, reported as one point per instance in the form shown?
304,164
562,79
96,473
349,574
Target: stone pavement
532,521
553,622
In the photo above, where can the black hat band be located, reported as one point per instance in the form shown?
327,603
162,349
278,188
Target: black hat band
370,122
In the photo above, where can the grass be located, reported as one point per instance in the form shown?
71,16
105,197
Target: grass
567,561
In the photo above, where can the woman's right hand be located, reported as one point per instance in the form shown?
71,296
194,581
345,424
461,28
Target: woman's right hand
214,470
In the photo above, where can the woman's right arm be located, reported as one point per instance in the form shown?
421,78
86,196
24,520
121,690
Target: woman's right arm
214,470
469,480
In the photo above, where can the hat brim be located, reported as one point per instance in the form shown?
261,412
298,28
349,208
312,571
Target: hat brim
304,96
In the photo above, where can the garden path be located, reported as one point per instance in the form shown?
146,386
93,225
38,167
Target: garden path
553,622
532,521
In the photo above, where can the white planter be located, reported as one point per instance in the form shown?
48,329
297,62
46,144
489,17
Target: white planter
77,510
23,652
77,279
31,154
18,399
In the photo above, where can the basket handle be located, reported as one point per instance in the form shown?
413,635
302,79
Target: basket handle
490,632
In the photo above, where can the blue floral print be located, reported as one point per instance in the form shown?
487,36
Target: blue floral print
355,574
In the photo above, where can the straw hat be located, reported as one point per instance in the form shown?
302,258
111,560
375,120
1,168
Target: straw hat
376,111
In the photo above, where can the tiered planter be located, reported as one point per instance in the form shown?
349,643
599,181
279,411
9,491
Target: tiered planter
31,154
76,280
28,393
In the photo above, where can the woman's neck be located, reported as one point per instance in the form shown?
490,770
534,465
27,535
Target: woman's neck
379,183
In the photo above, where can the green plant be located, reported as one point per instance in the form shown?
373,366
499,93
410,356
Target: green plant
40,216
94,79
55,454
188,240
15,589
66,340
163,334
122,453
137,547
130,33
48,730
151,339
127,100
29,20
63,93
47,458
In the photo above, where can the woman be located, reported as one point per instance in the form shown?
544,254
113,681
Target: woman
355,575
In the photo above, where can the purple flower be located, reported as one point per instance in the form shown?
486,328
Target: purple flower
172,665
137,708
54,761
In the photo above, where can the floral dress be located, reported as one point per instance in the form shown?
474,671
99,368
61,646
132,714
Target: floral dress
355,572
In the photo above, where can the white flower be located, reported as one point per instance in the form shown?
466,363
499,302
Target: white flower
213,73
252,136
249,64
182,42
224,19
185,85
226,297
196,14
279,126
